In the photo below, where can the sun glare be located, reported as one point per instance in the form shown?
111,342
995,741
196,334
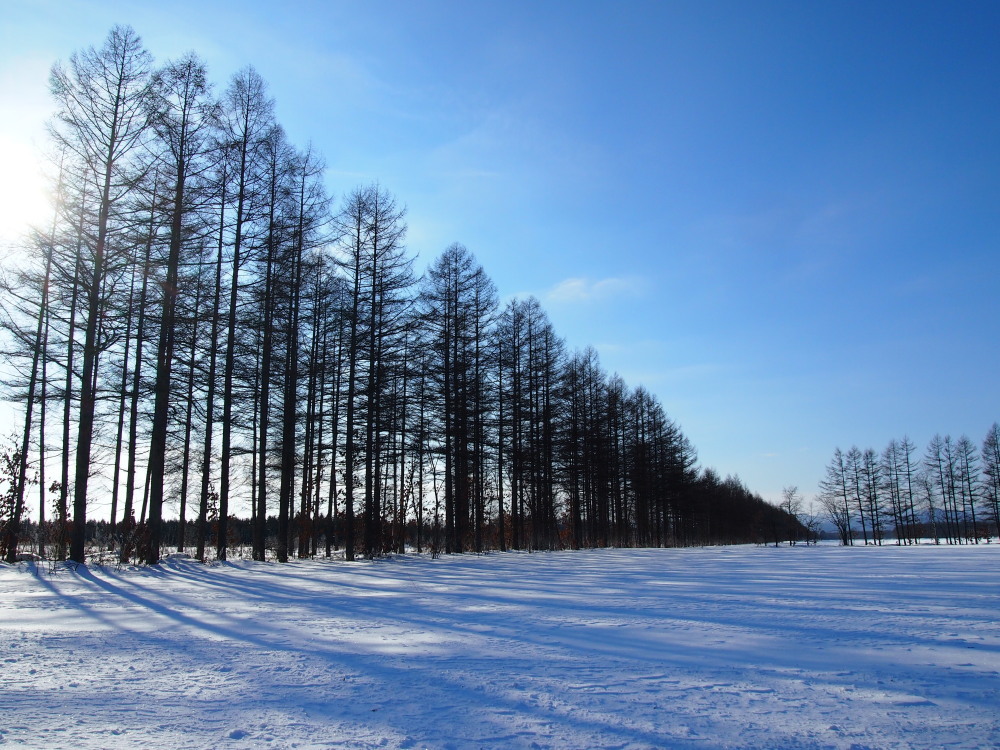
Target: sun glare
24,200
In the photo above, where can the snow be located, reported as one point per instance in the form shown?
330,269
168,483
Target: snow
728,647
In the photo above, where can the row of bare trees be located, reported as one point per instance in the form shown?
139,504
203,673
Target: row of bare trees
208,336
950,493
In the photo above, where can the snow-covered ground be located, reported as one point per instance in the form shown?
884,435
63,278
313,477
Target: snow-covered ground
819,647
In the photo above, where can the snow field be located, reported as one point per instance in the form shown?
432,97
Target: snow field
728,647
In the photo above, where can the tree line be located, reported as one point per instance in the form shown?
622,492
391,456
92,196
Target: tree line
200,327
950,493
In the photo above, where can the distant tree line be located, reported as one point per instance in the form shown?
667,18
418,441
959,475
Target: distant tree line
200,327
951,493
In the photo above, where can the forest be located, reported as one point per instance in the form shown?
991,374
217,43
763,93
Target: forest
209,352
950,494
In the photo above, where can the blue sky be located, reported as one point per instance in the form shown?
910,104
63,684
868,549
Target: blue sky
783,218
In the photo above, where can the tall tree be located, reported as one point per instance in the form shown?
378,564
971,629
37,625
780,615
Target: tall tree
940,469
277,157
213,360
458,302
872,485
308,215
247,119
967,469
353,226
389,277
835,497
991,474
854,467
102,98
183,115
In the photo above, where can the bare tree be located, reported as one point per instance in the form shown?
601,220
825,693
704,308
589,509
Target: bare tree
246,122
308,216
791,503
835,497
183,116
968,480
991,474
458,303
386,301
102,98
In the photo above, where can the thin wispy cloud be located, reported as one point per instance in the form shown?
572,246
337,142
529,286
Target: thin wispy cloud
577,289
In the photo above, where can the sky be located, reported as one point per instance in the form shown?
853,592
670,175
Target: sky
782,218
